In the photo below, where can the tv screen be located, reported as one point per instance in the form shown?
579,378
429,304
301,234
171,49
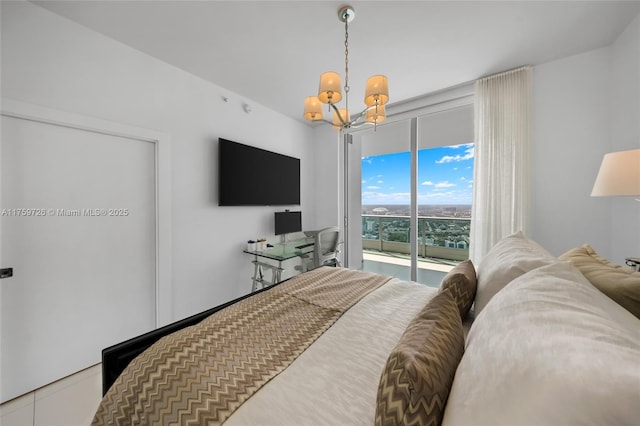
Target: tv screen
250,176
287,222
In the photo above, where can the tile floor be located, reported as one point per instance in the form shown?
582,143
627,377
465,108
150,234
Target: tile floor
430,273
71,401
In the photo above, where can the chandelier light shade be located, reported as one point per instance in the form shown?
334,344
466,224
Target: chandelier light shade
376,115
377,91
340,118
330,91
312,108
619,175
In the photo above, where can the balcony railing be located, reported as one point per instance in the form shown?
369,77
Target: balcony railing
438,237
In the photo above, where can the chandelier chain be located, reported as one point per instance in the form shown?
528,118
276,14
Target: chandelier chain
346,64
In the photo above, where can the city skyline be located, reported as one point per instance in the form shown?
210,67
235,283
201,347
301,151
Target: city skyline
424,210
445,176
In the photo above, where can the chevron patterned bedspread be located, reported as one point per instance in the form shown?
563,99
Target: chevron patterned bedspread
200,375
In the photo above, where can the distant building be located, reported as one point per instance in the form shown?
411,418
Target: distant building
380,210
370,225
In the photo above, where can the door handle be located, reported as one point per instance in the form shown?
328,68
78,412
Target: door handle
6,273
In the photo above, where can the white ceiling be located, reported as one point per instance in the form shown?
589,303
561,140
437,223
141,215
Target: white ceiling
273,52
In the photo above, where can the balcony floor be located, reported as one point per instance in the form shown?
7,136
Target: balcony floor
430,272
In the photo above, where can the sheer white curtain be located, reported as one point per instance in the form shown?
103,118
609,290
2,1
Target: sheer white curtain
501,174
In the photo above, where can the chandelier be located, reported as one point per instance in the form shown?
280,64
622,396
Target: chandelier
330,91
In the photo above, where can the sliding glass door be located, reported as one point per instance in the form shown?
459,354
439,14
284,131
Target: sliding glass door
445,186
386,200
415,184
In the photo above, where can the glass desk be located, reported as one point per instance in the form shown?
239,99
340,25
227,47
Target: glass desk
279,253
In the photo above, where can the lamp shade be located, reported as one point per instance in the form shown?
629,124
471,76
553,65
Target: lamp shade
619,174
376,114
337,124
376,90
312,108
330,91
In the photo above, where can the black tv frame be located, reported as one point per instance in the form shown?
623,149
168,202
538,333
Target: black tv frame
252,176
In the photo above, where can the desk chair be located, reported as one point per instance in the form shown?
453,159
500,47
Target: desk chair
325,249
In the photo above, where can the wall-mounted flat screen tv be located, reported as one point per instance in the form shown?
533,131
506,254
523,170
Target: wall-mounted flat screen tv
287,222
250,176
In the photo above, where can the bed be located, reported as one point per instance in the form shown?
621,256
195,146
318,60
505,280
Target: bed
541,345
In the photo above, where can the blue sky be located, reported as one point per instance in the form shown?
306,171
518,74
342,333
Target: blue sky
445,176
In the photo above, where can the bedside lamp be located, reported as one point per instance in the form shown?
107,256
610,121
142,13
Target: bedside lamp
619,175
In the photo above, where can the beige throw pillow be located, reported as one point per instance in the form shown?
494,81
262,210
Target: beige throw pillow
618,282
511,257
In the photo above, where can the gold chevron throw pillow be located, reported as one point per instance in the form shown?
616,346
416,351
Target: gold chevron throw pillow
462,283
417,377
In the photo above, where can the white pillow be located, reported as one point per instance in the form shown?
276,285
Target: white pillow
508,259
550,349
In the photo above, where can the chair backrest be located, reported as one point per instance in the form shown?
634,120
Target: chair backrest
325,249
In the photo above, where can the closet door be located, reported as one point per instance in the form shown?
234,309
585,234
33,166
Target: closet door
78,230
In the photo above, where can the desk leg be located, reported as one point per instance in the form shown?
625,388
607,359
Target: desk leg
276,277
277,274
257,275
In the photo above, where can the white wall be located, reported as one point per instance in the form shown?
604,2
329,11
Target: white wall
625,135
571,115
585,106
50,61
327,183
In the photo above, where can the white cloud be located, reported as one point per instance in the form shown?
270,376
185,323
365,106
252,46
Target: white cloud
373,187
427,183
439,194
468,155
444,184
381,198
